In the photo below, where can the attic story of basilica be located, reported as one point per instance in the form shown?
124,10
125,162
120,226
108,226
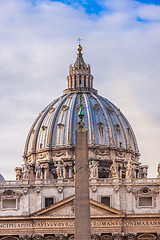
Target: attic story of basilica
40,204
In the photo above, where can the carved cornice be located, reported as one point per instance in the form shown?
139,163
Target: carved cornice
145,191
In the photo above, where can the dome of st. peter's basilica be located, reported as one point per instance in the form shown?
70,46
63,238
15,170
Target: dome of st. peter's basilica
51,139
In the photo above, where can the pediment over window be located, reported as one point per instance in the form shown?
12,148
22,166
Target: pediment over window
10,194
146,191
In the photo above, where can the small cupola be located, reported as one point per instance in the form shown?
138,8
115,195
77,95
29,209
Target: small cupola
80,77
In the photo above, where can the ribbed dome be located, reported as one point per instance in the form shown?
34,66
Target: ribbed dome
52,135
1,178
105,123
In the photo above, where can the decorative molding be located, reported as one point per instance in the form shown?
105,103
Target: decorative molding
60,189
38,189
130,236
120,154
95,237
7,194
129,189
50,237
25,191
37,237
25,237
41,155
60,237
102,152
60,153
118,236
105,237
146,191
94,189
116,188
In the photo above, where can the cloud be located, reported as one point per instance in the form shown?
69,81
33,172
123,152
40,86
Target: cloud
38,43
149,12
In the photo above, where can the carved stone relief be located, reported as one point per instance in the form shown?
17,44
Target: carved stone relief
59,153
38,190
102,152
60,237
9,238
146,191
94,189
118,236
95,237
25,237
129,189
146,237
120,154
11,194
50,238
25,191
106,237
130,236
37,237
41,155
60,189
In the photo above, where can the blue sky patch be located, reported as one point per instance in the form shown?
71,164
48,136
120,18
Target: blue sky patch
92,6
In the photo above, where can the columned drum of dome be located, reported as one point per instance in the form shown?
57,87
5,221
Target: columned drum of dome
51,140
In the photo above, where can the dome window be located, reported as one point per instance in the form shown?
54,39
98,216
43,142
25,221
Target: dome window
51,110
96,107
109,109
64,107
60,125
44,128
145,191
117,128
100,128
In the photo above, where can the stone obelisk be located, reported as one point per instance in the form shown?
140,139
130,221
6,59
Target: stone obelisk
82,203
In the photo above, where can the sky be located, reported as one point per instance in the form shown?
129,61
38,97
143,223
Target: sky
121,41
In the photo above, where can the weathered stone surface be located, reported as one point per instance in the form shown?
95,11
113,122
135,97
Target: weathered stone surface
82,204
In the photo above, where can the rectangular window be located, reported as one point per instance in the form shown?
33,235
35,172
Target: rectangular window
105,200
9,203
49,201
145,201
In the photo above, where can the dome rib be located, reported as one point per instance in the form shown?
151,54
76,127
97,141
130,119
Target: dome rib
118,113
133,135
106,125
90,117
71,127
44,113
110,134
29,135
50,141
